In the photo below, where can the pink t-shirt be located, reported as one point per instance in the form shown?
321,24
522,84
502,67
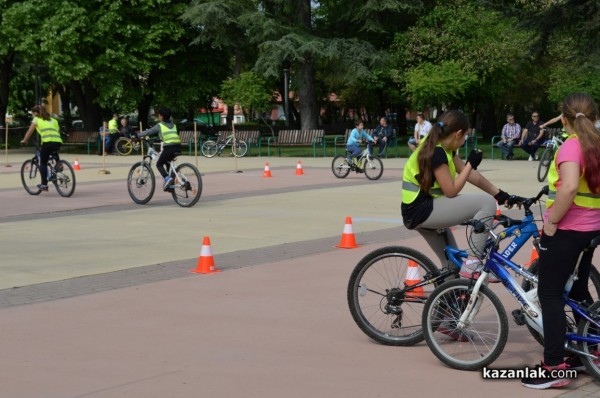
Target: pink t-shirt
577,218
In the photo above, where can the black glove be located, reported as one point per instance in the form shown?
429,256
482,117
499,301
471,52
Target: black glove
475,158
501,197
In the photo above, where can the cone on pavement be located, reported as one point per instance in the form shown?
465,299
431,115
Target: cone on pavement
299,170
413,276
76,165
348,240
534,256
206,262
267,172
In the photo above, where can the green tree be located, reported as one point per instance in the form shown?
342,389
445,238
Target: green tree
248,90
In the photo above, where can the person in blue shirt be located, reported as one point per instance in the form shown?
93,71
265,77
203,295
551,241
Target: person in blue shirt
354,139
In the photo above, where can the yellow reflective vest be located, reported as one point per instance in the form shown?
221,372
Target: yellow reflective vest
410,184
583,198
169,135
48,130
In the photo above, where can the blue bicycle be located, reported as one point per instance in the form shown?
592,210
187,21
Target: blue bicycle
465,324
387,304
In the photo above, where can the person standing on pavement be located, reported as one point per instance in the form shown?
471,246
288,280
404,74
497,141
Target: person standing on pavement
167,131
48,129
572,220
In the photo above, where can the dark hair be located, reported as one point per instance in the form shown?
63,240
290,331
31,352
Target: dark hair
581,112
357,122
165,113
42,111
449,123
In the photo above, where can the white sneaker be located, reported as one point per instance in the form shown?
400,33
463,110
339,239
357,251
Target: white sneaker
530,158
471,269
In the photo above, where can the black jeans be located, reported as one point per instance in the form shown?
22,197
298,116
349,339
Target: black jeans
45,151
168,153
558,256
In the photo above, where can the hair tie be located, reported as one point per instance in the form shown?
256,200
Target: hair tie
579,114
441,124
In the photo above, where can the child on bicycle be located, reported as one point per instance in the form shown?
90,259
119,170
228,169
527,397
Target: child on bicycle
433,178
354,138
572,219
167,131
47,128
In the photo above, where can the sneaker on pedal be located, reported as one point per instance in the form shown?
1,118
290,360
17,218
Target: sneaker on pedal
43,187
471,269
168,181
542,383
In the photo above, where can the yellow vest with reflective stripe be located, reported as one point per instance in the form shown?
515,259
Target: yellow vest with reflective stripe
169,136
48,130
410,184
112,126
583,198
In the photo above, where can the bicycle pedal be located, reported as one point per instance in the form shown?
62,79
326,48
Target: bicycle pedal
519,317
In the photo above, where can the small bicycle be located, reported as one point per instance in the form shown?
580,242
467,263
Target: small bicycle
465,324
186,187
125,145
60,173
211,148
551,146
366,163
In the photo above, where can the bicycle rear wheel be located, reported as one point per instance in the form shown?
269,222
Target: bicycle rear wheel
209,149
589,329
373,168
239,148
65,179
187,188
124,146
380,297
340,167
141,183
544,165
30,177
480,341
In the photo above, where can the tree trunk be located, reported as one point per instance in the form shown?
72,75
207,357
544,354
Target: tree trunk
309,110
6,71
89,111
488,121
65,101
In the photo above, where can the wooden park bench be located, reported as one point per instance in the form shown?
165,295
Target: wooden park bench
78,138
187,138
290,138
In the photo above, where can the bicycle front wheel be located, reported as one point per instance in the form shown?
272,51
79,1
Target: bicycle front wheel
209,149
340,167
373,168
476,344
381,298
30,177
187,188
141,183
124,146
544,165
588,329
65,179
239,148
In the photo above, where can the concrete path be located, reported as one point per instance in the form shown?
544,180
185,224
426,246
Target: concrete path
96,297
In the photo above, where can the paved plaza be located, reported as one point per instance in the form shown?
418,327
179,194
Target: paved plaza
97,301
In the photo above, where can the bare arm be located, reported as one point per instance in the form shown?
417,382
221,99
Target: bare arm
28,133
476,178
452,186
551,121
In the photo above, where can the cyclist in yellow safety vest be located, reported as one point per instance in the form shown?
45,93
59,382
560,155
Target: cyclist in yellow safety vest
572,220
167,131
47,128
432,184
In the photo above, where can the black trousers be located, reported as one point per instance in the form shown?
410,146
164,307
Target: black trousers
46,150
558,256
168,153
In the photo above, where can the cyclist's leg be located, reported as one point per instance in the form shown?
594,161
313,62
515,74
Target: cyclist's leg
448,212
46,149
354,152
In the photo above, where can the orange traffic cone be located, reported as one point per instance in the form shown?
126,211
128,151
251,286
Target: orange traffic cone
534,256
206,262
267,172
413,277
76,164
348,241
299,170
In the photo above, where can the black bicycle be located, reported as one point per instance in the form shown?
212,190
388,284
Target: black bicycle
60,173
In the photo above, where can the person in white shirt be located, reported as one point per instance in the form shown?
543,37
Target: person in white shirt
421,130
